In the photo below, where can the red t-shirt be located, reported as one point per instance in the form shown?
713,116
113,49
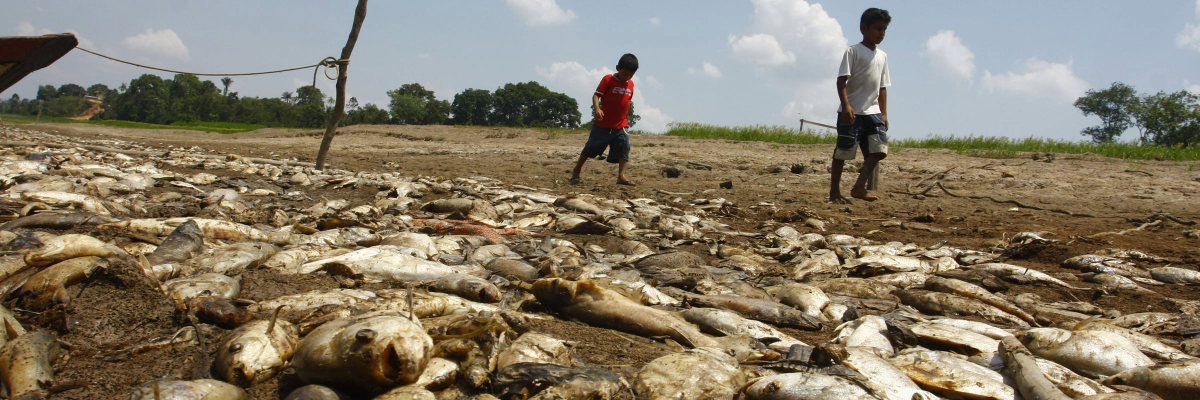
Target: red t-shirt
615,96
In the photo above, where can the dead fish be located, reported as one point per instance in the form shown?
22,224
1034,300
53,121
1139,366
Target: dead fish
535,347
1069,382
903,280
867,332
1019,274
703,373
807,298
385,263
11,265
312,300
549,381
372,349
824,262
858,287
254,352
1024,370
512,269
1116,282
966,289
578,205
84,202
236,257
184,242
727,323
768,311
672,260
883,379
1175,275
601,307
580,226
952,305
805,385
1146,343
981,328
1105,264
468,286
1172,381
1090,353
25,364
638,291
951,376
211,228
51,220
314,392
49,286
877,264
979,348
60,248
443,206
210,284
419,241
171,389
983,279
219,311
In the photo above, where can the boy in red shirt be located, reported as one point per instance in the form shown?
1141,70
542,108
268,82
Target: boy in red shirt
611,105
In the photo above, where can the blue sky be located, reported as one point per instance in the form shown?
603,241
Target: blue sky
1008,68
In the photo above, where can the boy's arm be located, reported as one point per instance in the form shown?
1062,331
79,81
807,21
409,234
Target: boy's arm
599,114
883,106
847,116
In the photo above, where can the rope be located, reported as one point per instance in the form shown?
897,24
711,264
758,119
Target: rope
328,62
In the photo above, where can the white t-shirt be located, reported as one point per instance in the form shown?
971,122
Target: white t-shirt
868,71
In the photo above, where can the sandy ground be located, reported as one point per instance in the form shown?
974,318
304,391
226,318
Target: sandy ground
1066,197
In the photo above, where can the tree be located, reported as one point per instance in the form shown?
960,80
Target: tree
287,97
46,92
146,100
310,107
471,107
369,114
226,81
413,104
1170,119
71,90
1113,106
633,118
352,104
531,104
97,90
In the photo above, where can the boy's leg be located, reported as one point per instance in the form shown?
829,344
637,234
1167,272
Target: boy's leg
835,182
578,167
868,169
621,170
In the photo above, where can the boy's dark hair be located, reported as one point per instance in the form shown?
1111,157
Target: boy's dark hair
873,15
628,62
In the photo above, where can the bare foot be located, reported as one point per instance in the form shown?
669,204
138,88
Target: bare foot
863,195
838,199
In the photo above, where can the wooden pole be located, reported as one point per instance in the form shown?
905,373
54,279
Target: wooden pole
339,107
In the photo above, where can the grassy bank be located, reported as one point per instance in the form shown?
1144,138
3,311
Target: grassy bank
999,147
215,127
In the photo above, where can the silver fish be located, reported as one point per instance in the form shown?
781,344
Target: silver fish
703,373
373,349
595,305
1171,382
1090,353
254,352
805,385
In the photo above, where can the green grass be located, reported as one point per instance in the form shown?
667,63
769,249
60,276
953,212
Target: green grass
215,127
981,146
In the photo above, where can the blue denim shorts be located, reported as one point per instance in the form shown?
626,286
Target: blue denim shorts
616,140
867,131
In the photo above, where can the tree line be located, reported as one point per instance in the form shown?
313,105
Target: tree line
1163,119
186,98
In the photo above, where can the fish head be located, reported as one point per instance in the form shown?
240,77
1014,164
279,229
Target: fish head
389,349
554,292
246,360
486,292
1136,377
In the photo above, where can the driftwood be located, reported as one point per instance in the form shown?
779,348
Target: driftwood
141,153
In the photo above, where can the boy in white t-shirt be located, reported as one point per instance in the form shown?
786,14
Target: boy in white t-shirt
862,116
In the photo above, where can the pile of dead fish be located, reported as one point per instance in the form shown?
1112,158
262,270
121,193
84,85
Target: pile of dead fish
475,264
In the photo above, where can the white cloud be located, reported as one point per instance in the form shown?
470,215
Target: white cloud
799,45
1190,36
541,12
1189,86
1041,79
655,20
650,80
947,54
762,50
579,82
706,69
164,42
